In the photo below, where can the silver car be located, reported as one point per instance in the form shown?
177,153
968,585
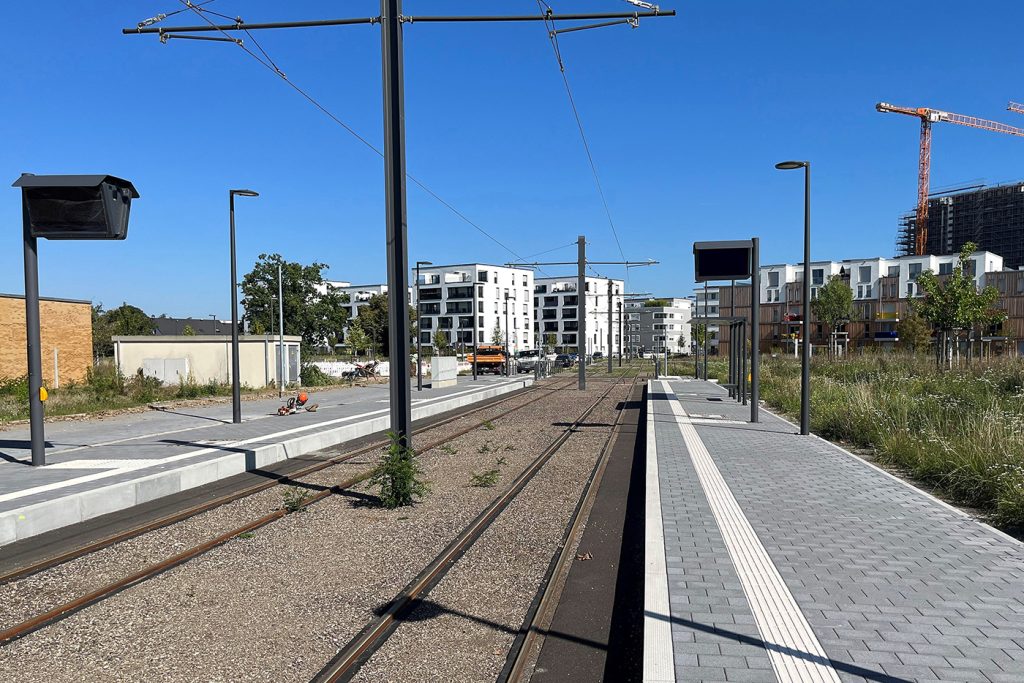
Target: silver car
526,361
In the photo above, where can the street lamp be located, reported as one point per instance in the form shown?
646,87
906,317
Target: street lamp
236,391
805,364
419,331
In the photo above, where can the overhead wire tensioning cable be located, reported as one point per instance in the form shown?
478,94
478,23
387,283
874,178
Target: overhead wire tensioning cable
269,64
547,10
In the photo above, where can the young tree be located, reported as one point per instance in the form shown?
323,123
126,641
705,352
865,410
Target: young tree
442,347
312,308
497,336
373,319
550,340
188,331
357,339
915,332
954,303
834,305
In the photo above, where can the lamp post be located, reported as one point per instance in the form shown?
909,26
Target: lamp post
805,361
507,364
419,336
236,392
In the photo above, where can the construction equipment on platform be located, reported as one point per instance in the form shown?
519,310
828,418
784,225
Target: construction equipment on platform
928,117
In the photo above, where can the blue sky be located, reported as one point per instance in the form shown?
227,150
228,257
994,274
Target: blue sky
685,117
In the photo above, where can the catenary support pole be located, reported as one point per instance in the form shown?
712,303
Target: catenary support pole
32,335
706,333
476,320
733,329
419,336
581,310
621,338
611,327
281,378
508,364
755,332
397,223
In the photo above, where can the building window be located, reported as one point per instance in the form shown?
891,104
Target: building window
427,324
894,271
864,274
424,337
817,276
945,269
481,277
773,278
915,270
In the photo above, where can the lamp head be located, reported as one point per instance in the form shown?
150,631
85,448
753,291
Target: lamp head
245,193
790,165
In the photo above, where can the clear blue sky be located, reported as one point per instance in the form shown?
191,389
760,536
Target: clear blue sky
686,118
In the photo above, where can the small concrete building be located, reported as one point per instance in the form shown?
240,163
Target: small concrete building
66,337
173,359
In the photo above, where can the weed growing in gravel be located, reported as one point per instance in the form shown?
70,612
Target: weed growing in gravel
485,479
398,476
510,447
294,499
488,425
246,535
501,462
449,449
486,448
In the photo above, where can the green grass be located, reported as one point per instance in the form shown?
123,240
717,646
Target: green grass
960,430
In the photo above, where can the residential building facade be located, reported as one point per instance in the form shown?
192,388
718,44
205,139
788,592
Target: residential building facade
882,288
555,307
445,296
706,304
652,328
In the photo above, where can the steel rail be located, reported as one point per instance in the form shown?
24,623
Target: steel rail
347,662
107,541
68,608
542,608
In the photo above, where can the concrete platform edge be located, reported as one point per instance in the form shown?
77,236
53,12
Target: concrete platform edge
31,520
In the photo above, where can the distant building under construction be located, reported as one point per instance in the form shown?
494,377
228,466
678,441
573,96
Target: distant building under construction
991,217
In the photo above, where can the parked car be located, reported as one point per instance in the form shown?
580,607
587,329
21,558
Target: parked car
598,355
526,361
563,360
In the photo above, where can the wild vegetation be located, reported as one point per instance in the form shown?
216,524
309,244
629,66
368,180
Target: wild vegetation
960,430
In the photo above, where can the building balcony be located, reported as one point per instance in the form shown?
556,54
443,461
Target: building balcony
563,287
450,278
793,318
891,316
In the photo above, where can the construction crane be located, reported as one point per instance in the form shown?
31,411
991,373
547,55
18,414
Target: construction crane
928,117
1014,106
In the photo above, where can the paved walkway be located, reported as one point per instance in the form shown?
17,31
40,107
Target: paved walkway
784,558
102,465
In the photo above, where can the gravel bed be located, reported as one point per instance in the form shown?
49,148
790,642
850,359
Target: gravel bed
466,625
43,591
278,605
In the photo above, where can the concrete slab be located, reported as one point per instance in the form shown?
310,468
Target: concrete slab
90,474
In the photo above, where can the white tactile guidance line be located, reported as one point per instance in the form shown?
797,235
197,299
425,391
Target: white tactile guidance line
792,647
659,662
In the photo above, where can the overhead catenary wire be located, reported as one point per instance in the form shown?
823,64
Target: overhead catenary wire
270,65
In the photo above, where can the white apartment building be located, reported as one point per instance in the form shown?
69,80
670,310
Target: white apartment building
358,295
652,328
707,306
445,296
555,302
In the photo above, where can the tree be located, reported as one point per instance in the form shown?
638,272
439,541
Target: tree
442,347
700,335
357,339
834,305
497,336
550,340
312,308
373,320
954,302
188,331
256,327
915,332
125,320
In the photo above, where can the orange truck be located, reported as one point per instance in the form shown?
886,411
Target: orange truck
490,358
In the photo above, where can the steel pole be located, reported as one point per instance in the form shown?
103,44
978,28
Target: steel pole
621,338
506,337
707,334
581,310
611,327
755,331
32,336
397,223
743,363
280,333
475,319
805,366
419,335
236,390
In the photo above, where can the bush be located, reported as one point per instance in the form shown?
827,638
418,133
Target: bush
105,381
313,376
398,476
15,387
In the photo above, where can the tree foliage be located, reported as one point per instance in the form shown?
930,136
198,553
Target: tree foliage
125,320
357,339
373,322
550,340
915,332
700,334
311,308
834,304
497,336
442,347
656,303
